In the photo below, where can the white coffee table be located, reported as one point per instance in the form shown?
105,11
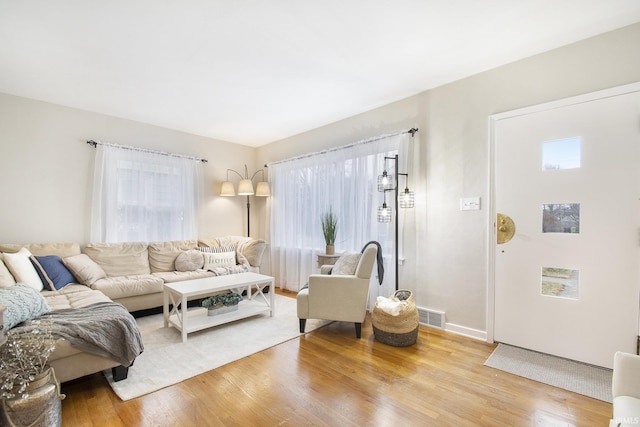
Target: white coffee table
187,321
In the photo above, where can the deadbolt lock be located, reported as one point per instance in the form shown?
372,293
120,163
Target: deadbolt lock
506,228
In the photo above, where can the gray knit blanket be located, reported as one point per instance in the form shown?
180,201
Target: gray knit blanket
106,329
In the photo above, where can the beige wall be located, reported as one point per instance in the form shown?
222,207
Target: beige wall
46,170
446,264
46,167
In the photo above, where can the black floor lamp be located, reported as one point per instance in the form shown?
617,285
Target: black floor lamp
406,199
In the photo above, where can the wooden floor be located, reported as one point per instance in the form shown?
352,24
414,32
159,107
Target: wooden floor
330,378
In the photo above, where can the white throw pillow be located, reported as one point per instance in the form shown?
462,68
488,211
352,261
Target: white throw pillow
22,270
221,259
216,257
6,279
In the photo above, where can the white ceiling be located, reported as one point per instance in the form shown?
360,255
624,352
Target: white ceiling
256,71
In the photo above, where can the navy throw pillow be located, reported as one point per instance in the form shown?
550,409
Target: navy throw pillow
53,273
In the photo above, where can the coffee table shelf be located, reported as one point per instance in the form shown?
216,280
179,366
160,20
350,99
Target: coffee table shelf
186,321
198,319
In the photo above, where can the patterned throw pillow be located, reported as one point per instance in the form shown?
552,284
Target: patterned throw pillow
346,264
223,256
23,303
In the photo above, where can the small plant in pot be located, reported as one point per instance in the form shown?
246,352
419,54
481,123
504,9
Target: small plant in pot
221,303
329,230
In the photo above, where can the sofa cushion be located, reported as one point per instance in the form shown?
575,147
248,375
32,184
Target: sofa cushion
6,279
215,242
190,260
179,276
64,249
22,303
162,255
84,269
21,268
52,272
63,349
120,259
253,251
73,296
127,286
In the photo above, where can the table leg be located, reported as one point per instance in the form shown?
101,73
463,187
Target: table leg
165,308
272,291
183,308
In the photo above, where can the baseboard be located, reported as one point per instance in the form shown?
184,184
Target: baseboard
465,331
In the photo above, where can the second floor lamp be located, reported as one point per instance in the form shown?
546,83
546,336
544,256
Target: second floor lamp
245,188
405,199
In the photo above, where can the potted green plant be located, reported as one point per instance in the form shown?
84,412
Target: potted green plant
329,230
221,303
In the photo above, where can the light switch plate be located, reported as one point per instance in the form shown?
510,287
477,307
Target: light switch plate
470,204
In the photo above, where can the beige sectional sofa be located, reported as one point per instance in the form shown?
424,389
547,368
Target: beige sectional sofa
131,274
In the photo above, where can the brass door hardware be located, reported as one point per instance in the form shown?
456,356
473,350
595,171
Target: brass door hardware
506,228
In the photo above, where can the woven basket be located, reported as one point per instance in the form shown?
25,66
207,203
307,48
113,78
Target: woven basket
401,330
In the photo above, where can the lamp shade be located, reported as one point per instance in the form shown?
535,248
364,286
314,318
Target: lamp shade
245,187
384,213
262,189
385,181
406,199
227,189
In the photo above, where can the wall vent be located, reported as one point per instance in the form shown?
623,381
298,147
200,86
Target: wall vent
433,318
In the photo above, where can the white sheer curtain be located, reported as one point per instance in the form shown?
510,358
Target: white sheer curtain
344,179
142,196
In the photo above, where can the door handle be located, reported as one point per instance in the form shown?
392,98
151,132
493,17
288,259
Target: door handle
506,228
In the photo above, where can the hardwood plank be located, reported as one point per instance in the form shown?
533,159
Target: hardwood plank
329,378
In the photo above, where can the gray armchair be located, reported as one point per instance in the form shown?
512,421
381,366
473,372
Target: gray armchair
338,297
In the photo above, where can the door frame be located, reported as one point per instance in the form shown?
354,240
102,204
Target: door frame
491,225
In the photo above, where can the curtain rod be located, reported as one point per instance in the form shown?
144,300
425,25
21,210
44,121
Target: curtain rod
127,147
412,131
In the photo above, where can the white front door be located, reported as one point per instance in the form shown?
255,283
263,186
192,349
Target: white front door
568,175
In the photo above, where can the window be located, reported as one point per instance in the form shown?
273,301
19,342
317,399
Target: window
344,179
144,196
561,154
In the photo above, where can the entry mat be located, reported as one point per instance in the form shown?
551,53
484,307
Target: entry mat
581,378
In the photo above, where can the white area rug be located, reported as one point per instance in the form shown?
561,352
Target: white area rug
167,361
588,380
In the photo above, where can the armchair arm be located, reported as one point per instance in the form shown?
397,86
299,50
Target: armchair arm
626,375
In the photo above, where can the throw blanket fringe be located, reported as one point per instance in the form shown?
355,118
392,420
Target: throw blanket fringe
106,329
